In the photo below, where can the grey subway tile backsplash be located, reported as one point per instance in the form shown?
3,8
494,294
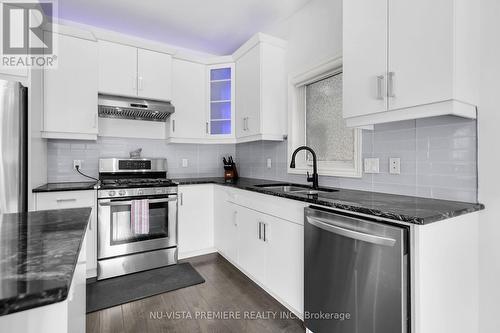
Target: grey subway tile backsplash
438,159
203,160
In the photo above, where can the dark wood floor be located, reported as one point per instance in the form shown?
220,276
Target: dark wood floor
226,291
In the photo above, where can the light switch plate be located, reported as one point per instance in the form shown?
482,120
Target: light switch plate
184,162
269,163
395,165
371,165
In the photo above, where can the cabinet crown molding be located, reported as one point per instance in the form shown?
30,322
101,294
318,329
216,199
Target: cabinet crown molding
255,40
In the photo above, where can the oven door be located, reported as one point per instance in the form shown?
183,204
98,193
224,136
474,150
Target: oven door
116,236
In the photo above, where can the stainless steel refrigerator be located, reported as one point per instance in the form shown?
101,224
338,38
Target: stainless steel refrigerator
13,147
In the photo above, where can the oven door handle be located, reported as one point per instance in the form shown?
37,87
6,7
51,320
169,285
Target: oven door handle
129,202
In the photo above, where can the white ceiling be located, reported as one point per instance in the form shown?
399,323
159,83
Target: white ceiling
212,26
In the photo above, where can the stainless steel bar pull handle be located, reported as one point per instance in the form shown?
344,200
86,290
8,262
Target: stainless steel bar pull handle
374,239
65,200
390,85
260,230
380,84
206,127
173,125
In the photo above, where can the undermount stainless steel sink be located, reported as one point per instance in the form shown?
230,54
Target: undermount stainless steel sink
283,188
295,188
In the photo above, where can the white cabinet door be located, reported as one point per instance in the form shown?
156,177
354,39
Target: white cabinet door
221,91
248,90
285,258
251,246
420,52
77,298
364,57
76,199
154,71
195,226
70,89
189,98
117,69
225,224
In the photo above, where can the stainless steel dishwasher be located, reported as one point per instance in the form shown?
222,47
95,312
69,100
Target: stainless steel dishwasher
355,274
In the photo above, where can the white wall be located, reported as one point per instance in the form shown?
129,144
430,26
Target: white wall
314,33
489,167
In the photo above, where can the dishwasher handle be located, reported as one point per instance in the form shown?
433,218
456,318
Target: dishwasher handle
374,239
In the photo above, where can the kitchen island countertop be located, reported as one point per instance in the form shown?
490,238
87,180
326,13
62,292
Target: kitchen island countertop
38,255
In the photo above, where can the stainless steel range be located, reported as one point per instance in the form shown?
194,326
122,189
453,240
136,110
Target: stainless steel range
137,216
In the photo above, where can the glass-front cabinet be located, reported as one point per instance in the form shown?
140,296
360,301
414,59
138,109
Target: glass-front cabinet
220,118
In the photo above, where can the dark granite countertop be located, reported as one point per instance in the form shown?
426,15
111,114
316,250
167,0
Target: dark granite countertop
403,208
68,186
38,255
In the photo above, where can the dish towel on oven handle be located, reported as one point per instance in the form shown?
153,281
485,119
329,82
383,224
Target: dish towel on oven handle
139,217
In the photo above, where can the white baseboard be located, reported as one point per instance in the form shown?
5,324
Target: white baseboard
190,254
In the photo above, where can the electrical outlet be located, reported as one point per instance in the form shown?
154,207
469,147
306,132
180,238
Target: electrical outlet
269,163
371,165
77,163
395,165
184,162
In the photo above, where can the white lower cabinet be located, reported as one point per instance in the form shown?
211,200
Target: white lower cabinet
195,220
267,248
285,260
76,199
225,224
251,245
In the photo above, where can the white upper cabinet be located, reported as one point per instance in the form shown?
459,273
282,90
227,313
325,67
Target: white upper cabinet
420,52
70,91
248,90
408,60
261,89
188,122
154,75
129,71
220,117
364,57
117,69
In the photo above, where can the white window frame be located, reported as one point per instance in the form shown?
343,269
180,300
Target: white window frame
297,124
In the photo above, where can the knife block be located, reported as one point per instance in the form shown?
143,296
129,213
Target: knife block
230,173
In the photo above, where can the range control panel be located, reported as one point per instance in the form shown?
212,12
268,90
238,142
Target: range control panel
137,192
134,165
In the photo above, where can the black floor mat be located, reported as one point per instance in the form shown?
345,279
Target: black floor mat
123,289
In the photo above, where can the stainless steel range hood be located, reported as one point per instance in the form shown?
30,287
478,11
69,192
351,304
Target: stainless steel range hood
133,108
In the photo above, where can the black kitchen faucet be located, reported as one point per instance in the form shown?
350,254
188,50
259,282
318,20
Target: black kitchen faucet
314,178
